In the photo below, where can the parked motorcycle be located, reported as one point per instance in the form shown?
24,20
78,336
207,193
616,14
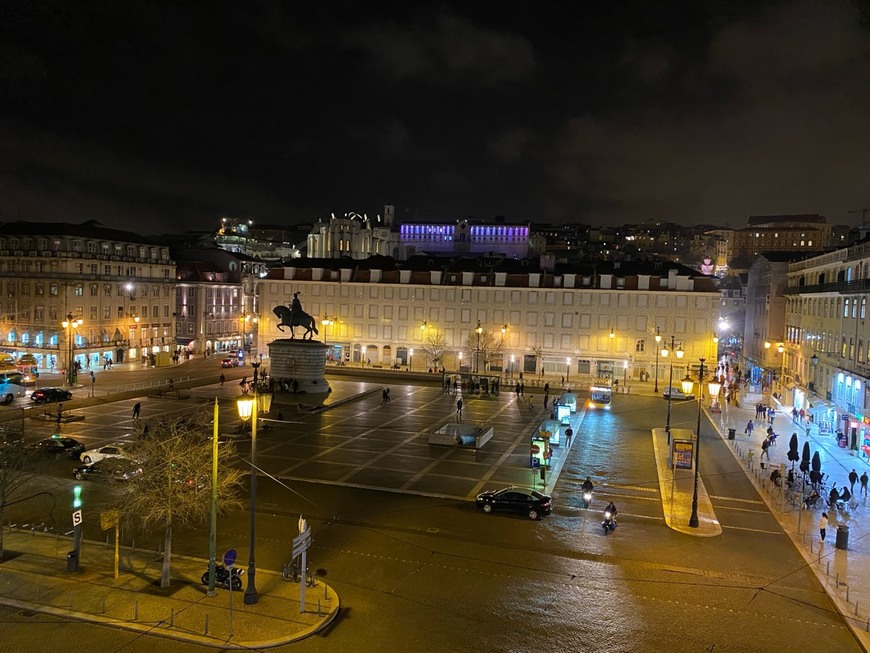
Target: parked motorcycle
222,577
609,522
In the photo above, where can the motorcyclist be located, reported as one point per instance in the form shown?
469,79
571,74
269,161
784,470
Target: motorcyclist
611,508
587,485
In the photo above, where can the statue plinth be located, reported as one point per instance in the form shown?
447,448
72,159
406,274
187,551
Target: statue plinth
303,361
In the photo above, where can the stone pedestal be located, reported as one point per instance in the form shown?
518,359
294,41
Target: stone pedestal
303,361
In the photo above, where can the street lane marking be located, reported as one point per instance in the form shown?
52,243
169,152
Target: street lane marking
753,530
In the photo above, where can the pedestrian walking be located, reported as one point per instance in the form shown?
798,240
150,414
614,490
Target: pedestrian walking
568,433
384,396
223,378
765,449
459,410
771,415
171,384
757,410
853,478
749,427
864,484
823,526
522,389
517,389
546,401
59,415
137,408
389,399
794,414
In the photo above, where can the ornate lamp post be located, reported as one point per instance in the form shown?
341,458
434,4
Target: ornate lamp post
658,342
479,330
693,520
665,354
71,323
248,408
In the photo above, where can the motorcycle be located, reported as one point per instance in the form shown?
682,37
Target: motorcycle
587,498
222,578
609,522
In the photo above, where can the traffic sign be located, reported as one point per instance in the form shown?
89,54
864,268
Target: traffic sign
77,517
301,543
230,557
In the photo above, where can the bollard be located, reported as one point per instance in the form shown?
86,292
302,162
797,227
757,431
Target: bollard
205,632
171,617
847,592
318,607
828,568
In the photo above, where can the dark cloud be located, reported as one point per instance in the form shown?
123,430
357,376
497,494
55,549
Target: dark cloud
139,114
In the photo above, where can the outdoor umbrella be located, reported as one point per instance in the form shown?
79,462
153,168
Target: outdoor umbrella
805,458
816,473
793,454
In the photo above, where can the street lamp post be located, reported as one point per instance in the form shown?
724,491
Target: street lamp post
567,370
212,531
326,322
679,354
658,342
479,330
70,324
410,359
248,408
693,520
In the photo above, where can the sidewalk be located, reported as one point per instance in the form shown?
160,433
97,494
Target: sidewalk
844,573
33,577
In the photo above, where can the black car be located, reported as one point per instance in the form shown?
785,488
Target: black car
57,446
520,500
108,469
45,395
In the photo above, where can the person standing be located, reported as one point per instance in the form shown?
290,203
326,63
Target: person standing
137,408
749,427
459,410
864,484
568,433
223,378
522,389
853,478
384,396
59,415
823,526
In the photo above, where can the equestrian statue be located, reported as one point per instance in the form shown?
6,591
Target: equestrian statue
294,317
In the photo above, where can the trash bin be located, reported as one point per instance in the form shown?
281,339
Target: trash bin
72,559
842,537
732,433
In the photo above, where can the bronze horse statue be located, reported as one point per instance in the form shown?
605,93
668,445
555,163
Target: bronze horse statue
303,320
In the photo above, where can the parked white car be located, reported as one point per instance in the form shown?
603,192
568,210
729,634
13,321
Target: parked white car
114,450
676,394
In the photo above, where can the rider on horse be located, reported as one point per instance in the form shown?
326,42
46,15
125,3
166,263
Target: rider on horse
296,308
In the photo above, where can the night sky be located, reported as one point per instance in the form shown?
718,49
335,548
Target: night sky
155,117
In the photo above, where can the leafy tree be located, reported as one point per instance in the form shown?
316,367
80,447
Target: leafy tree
174,487
487,346
434,347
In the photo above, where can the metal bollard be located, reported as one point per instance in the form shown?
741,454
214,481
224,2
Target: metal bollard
828,568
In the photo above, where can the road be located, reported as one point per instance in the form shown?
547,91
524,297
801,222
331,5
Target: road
419,572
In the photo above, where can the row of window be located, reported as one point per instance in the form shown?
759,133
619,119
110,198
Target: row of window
23,287
90,246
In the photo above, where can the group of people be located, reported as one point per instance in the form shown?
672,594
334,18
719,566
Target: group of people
765,412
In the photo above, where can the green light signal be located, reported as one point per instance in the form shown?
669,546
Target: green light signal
77,496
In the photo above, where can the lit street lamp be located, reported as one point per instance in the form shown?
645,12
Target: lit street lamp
679,354
693,520
658,341
248,408
326,322
71,323
479,330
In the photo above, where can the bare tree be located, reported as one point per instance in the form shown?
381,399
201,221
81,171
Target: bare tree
434,347
15,473
174,487
483,348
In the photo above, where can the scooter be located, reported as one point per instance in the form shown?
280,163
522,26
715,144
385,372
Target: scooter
222,577
609,522
587,498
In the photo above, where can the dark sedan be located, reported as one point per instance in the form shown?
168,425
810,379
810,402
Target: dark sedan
108,469
46,395
57,446
520,500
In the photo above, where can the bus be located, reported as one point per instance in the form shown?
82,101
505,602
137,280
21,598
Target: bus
10,387
600,393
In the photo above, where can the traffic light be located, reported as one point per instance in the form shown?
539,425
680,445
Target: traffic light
77,497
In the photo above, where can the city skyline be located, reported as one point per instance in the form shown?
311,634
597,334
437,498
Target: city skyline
139,115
